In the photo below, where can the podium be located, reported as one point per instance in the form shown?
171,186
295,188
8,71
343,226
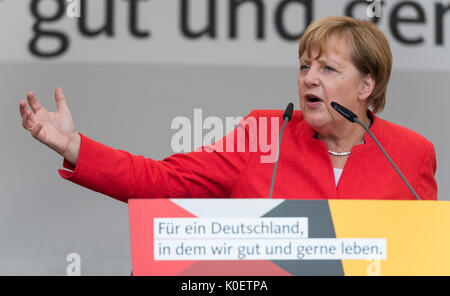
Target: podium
283,237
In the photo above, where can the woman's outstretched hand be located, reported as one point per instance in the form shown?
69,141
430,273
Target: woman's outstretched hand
54,129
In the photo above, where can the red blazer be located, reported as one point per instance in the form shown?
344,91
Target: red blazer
304,169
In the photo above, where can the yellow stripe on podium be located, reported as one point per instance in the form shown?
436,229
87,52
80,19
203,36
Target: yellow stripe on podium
417,234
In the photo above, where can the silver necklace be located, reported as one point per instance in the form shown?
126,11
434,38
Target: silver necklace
348,152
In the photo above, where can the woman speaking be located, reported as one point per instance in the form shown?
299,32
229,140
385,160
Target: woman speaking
322,155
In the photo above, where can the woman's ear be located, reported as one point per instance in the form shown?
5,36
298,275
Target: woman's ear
368,84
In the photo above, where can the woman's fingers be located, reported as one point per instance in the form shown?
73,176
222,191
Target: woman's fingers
27,116
52,129
28,120
22,108
60,100
36,132
34,103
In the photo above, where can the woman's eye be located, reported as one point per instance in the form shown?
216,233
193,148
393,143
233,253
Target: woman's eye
329,69
304,67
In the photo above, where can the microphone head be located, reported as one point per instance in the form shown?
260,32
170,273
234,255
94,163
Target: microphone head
288,112
349,115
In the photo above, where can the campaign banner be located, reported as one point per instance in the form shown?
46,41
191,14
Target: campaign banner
261,237
212,32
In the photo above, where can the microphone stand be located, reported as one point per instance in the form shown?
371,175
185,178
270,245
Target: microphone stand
388,158
287,116
350,116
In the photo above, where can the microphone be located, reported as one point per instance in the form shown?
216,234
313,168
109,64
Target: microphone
288,112
287,116
350,116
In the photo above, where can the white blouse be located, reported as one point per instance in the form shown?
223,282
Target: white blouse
337,175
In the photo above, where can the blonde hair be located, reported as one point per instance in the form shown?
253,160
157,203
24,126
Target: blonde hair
371,51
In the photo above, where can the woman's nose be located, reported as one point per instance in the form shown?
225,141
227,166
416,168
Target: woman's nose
311,79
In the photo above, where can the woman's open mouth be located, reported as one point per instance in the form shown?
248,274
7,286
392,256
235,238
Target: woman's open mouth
312,101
